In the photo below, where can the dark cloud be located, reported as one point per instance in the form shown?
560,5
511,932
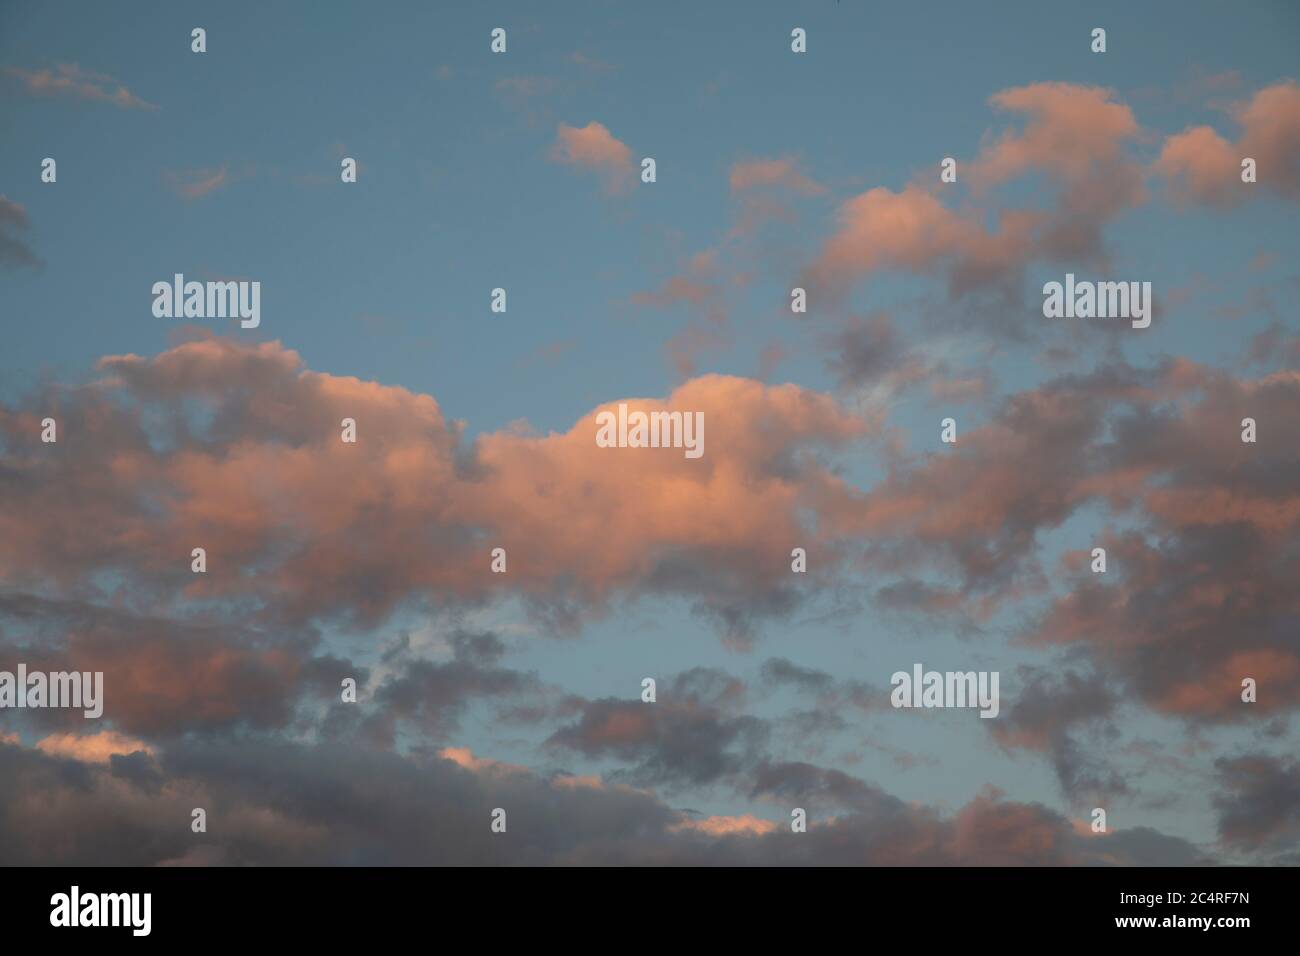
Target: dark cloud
688,736
434,696
1212,530
1048,713
1259,802
275,803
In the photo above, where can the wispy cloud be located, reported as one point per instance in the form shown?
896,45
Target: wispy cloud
14,252
193,184
68,79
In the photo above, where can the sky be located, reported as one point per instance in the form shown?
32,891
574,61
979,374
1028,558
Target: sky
1120,690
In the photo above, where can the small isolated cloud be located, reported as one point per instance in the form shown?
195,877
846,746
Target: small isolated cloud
68,79
772,172
193,184
524,87
595,148
578,58
14,252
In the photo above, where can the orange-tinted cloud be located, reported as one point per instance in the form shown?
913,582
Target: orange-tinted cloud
197,183
772,172
1205,167
92,748
595,148
305,525
1075,135
719,826
68,79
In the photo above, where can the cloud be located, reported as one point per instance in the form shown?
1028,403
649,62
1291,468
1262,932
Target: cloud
92,748
772,172
1047,714
1204,167
727,826
197,183
281,803
300,527
1074,135
870,360
913,231
524,87
1214,558
1259,802
697,289
14,252
162,676
676,289
68,79
431,697
834,696
593,147
1207,551
578,58
688,736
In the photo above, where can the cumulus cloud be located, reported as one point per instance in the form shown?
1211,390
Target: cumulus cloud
1205,167
593,147
303,533
1076,136
307,527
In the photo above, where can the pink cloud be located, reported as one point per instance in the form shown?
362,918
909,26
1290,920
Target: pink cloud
68,79
721,826
772,172
197,183
92,748
409,509
595,148
1205,167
